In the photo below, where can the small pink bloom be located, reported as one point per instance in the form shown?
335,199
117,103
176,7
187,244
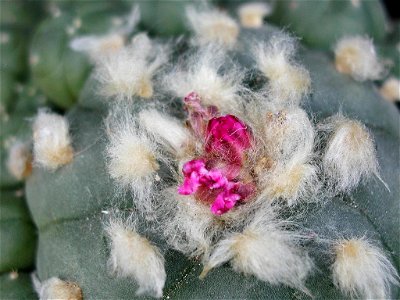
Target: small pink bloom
227,137
198,115
225,201
193,171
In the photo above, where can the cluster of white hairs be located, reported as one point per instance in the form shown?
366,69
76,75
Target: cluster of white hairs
282,164
129,72
212,26
51,140
97,47
202,73
361,269
19,162
132,255
55,288
288,81
390,89
251,15
356,56
147,149
350,154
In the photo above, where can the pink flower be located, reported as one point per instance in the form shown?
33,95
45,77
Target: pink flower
198,115
227,138
193,171
197,175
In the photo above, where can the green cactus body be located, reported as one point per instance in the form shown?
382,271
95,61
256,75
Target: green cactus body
59,71
354,17
16,286
69,206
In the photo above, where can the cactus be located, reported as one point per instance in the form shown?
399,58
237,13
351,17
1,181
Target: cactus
174,158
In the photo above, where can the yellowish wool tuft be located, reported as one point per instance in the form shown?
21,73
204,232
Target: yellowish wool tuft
19,162
55,288
202,74
99,46
132,156
128,73
390,90
212,26
350,154
288,82
361,270
266,251
173,134
252,14
133,256
51,141
357,57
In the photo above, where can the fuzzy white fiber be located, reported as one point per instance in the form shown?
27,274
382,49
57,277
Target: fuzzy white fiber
19,162
288,132
133,256
294,181
361,270
128,73
252,14
55,288
188,224
98,46
212,26
51,140
132,157
390,89
102,45
356,56
288,82
173,134
267,251
350,154
202,74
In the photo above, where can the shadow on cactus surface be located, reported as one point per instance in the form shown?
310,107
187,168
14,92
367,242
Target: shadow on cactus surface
154,149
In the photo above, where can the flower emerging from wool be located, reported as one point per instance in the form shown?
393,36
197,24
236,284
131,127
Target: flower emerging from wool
215,177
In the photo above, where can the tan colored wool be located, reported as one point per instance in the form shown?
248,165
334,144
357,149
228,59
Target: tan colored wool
133,256
356,56
51,141
361,270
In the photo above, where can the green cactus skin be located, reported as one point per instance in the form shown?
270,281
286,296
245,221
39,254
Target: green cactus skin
335,19
15,125
16,288
17,233
70,205
57,70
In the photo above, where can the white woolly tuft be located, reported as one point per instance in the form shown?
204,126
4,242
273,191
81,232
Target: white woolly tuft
288,132
252,14
19,162
266,250
128,73
99,46
350,154
173,134
390,90
357,57
188,224
132,255
51,140
55,288
212,26
288,82
132,157
294,181
361,270
203,76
